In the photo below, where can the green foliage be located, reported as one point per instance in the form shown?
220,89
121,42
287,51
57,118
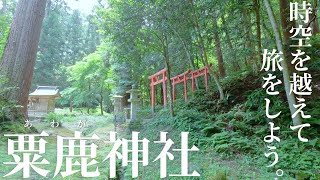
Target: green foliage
137,36
11,118
255,99
314,111
300,158
192,121
5,21
4,29
239,130
90,82
135,126
219,175
15,127
313,51
67,37
53,117
233,143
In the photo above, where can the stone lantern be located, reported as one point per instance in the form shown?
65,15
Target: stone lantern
117,103
135,101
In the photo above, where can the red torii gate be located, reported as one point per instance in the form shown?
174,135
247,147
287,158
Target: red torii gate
156,79
179,79
160,77
200,72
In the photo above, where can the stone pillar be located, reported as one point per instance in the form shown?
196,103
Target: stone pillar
127,114
117,111
134,100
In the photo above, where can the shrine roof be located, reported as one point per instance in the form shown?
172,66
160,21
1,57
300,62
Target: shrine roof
46,91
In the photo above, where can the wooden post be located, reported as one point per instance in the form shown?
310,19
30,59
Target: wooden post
152,96
185,88
206,78
174,90
192,82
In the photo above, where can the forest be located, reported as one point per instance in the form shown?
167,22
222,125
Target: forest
250,99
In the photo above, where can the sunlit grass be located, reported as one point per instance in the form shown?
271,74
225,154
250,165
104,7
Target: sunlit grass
210,165
99,125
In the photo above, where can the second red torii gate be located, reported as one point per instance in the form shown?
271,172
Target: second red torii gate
200,72
179,79
161,77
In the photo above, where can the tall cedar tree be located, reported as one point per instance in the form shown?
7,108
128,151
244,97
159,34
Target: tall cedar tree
21,49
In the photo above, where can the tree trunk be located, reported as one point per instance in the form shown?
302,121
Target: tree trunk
87,103
204,52
191,60
286,78
256,6
234,62
249,60
286,25
101,105
197,57
20,51
315,26
217,44
315,23
168,82
267,30
101,99
205,61
189,55
71,107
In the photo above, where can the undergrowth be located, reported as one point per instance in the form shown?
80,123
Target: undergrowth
11,118
236,126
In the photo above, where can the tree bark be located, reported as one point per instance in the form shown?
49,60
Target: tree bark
20,51
234,62
286,25
191,60
101,99
168,82
267,30
189,55
87,103
315,26
71,104
249,60
286,78
204,52
256,6
101,105
315,23
218,50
